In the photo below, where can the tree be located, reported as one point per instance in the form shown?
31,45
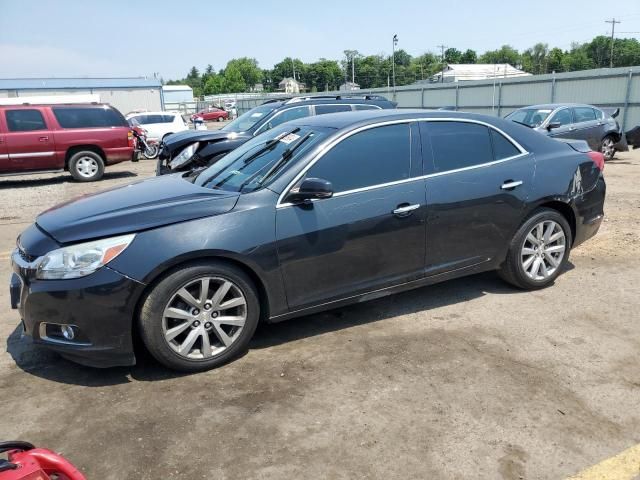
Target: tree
505,54
555,60
469,56
248,68
214,85
576,59
534,60
285,69
233,81
452,55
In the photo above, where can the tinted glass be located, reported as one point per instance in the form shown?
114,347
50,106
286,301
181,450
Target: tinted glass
89,117
530,116
365,107
168,118
563,117
320,109
25,120
584,114
502,148
249,119
372,157
286,116
459,145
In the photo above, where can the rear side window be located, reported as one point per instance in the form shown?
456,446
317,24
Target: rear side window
363,106
372,157
502,148
89,117
25,120
320,109
168,118
584,114
459,144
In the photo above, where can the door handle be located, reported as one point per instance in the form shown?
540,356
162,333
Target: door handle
43,139
511,184
404,210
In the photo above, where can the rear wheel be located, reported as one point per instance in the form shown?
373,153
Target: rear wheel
538,251
200,317
86,166
607,147
151,151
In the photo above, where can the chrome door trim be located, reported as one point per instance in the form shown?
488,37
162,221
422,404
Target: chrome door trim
34,154
329,146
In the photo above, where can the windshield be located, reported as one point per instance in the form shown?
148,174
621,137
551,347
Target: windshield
248,167
248,119
533,117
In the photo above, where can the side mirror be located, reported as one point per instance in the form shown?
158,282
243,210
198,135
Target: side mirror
553,125
310,189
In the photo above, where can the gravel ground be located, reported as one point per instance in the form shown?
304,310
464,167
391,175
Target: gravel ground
466,379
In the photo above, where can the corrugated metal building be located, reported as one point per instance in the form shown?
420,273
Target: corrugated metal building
177,93
126,94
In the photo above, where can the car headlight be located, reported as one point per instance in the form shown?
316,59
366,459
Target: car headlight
184,156
83,259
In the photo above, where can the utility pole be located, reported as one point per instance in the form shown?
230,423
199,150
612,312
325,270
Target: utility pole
442,47
393,62
613,22
293,65
353,68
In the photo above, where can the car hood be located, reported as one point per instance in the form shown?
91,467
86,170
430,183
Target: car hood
178,141
134,207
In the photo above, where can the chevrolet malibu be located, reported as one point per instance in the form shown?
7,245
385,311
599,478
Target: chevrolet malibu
314,214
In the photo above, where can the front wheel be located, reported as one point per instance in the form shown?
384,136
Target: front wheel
538,251
607,148
200,316
151,151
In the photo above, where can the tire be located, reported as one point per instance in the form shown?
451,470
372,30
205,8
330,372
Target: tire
221,119
524,254
86,166
151,152
607,147
192,319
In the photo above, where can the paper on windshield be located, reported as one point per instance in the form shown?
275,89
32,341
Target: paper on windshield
287,139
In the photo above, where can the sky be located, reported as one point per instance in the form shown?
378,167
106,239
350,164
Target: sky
45,38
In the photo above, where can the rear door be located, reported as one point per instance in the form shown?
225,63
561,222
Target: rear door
586,126
29,140
478,183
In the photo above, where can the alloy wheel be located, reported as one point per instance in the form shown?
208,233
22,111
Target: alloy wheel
87,166
204,317
543,250
607,148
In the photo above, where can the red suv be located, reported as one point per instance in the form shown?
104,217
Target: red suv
79,138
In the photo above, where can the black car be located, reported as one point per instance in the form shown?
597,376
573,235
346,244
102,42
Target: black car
197,149
596,126
311,215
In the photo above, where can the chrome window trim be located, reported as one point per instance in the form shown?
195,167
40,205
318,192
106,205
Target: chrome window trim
329,146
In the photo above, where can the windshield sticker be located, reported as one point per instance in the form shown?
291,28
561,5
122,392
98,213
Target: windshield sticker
256,115
287,139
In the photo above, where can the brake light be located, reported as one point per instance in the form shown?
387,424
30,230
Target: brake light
130,139
597,158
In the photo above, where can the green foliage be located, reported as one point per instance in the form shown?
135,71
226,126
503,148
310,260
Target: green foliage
372,71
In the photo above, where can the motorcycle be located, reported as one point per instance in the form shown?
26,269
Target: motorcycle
26,462
147,147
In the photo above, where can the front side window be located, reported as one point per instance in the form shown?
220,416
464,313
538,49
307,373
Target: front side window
285,116
25,120
459,145
584,114
531,117
563,117
321,109
257,162
70,117
372,157
249,119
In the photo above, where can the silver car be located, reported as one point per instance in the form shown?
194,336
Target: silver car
596,126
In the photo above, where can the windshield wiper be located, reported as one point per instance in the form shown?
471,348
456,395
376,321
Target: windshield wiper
269,145
522,123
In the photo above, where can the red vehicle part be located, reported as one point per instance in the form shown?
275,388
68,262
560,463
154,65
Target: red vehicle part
24,462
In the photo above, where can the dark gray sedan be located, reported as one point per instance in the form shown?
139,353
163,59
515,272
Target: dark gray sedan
596,126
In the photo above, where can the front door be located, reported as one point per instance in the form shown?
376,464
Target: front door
477,187
29,141
370,234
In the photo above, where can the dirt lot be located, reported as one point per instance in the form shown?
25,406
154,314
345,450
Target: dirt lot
466,379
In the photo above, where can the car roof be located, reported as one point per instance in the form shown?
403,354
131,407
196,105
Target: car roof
553,106
320,100
26,104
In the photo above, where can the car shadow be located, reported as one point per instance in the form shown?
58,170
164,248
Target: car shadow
40,362
26,182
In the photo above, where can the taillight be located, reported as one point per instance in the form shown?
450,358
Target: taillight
598,159
130,139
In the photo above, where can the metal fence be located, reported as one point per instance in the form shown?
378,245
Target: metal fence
617,87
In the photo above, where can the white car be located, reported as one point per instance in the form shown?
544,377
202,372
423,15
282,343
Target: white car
158,124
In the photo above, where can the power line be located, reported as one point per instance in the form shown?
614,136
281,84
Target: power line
613,22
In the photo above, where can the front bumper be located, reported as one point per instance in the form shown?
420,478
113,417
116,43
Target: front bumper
100,305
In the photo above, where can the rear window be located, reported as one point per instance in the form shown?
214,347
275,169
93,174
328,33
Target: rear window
89,117
25,120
